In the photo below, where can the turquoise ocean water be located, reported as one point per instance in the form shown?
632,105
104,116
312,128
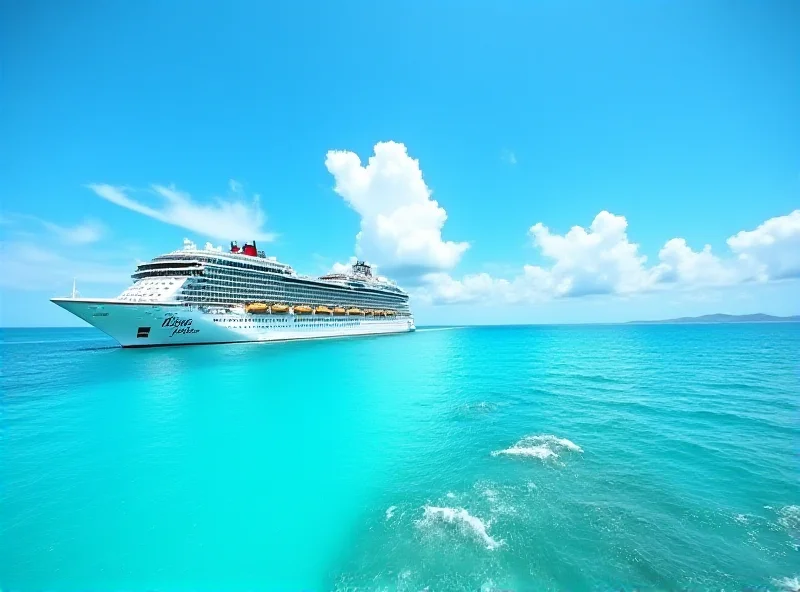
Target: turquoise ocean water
507,458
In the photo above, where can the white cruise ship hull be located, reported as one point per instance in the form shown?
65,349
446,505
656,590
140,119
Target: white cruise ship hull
158,324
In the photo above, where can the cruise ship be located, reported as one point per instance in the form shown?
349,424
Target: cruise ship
202,296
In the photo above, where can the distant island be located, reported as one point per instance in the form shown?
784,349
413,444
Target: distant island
722,318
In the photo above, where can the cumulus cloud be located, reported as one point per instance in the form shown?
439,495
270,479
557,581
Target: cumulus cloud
679,264
347,267
338,267
601,259
594,261
443,288
341,267
774,246
533,285
222,218
401,225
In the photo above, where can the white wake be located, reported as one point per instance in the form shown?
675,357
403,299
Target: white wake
466,522
541,446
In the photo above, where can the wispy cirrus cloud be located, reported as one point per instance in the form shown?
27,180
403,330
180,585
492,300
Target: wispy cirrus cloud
222,218
508,156
38,254
36,267
85,233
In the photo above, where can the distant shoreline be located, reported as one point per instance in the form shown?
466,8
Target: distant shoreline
721,319
788,322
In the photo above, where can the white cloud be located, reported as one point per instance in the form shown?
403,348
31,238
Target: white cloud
443,289
774,246
401,226
509,157
225,219
602,260
26,266
594,261
235,186
343,267
682,266
88,232
533,285
340,267
347,267
34,260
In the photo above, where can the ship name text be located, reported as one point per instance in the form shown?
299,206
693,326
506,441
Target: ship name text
181,326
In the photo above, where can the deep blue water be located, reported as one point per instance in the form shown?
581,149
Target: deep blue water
498,458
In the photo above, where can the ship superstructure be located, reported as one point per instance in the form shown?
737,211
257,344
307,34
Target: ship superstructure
206,295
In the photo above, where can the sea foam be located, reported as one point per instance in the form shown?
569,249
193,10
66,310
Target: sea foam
788,584
741,518
466,522
789,518
542,446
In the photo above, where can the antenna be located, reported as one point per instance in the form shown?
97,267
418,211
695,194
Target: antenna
74,288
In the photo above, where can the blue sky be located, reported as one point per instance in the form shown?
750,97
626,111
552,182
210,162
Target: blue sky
130,126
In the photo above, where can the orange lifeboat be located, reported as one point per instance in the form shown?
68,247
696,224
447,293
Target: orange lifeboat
256,308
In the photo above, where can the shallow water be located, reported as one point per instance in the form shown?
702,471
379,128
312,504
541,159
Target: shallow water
522,458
